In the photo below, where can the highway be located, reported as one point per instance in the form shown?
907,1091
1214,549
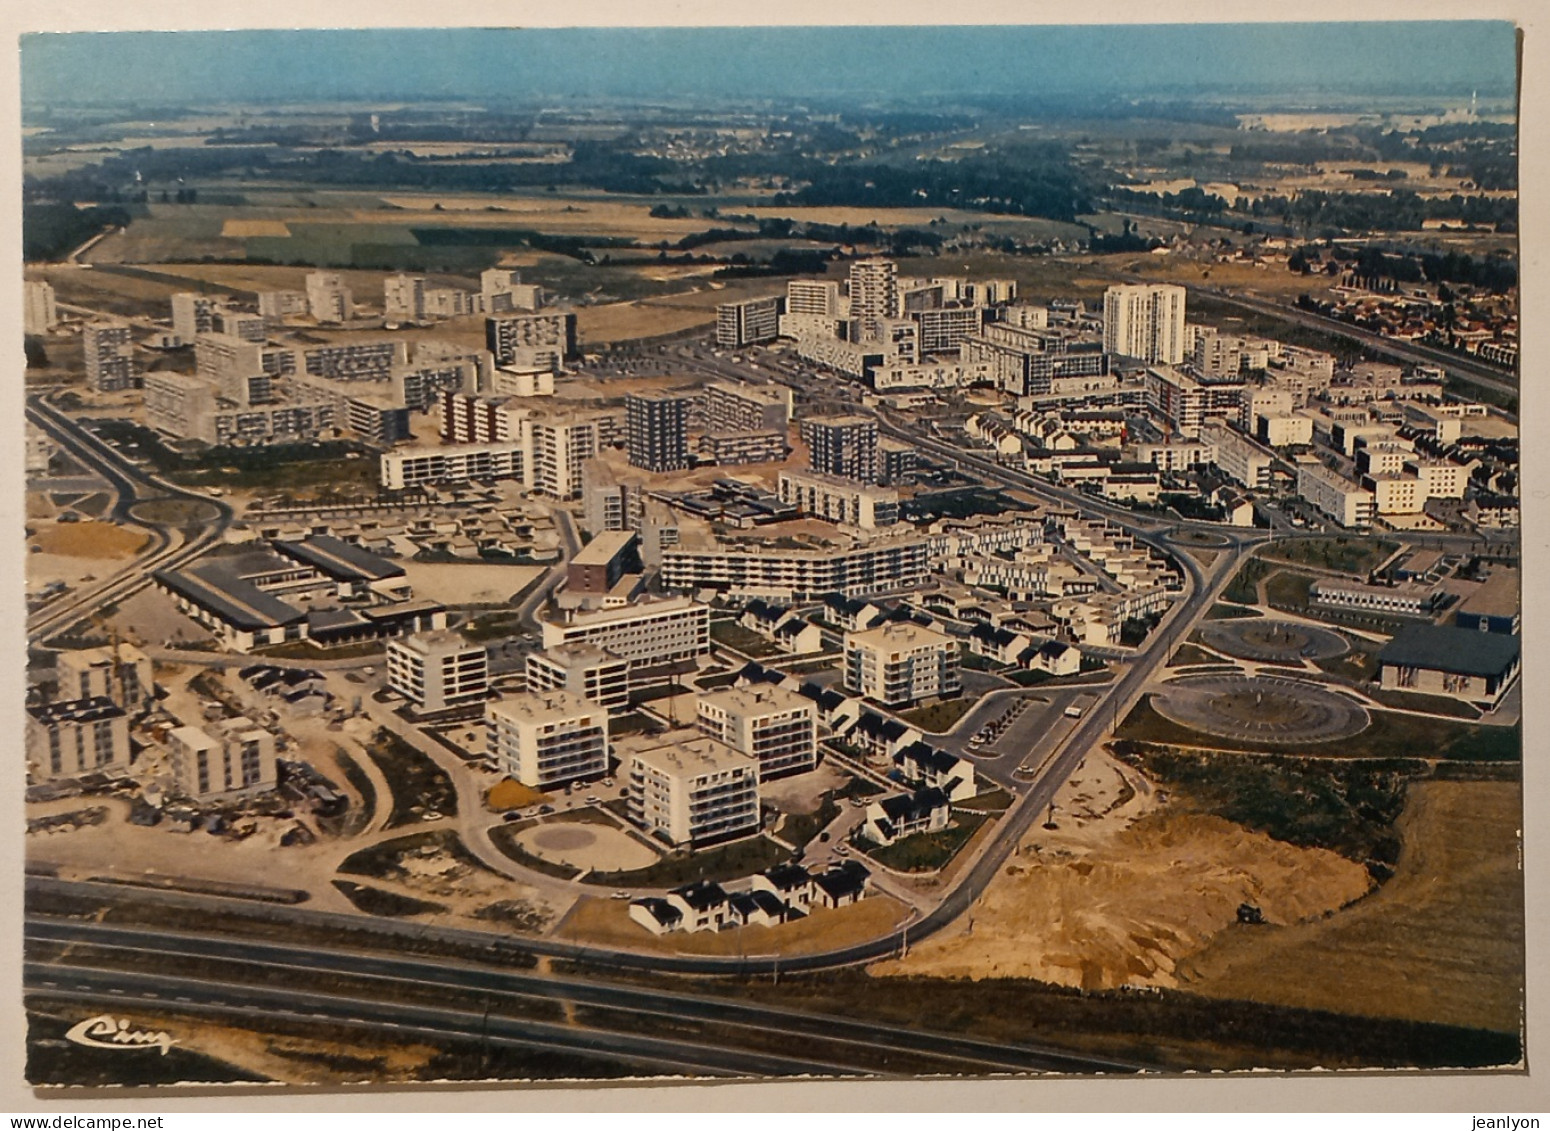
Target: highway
132,486
241,1004
294,963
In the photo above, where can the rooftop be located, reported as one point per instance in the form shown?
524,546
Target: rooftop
900,635
544,707
685,753
755,699
1460,651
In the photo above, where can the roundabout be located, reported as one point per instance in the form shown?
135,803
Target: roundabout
1272,641
1280,712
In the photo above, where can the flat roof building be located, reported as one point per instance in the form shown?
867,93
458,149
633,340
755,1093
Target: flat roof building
689,789
547,738
593,673
900,663
438,671
776,727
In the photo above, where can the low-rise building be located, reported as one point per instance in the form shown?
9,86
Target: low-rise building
1460,663
237,761
1403,599
894,818
1335,496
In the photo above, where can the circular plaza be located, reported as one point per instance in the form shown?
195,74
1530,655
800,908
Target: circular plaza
1281,712
601,847
1272,641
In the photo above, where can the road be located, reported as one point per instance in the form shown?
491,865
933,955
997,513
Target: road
240,1003
283,963
132,486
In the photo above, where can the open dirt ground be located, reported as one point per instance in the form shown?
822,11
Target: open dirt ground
472,584
1441,941
1124,889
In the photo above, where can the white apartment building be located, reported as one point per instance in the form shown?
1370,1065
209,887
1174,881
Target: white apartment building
1238,457
438,671
593,673
651,632
1396,493
237,761
1284,431
120,672
776,727
1331,494
110,357
901,663
818,297
547,738
1440,479
404,468
888,566
277,306
328,299
748,322
840,500
77,737
1145,321
1186,403
690,789
40,314
874,294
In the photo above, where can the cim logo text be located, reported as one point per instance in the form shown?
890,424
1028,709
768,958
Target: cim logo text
106,1032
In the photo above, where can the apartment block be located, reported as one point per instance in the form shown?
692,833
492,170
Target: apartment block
746,408
749,322
734,449
1145,321
1334,495
840,500
595,674
547,738
657,431
691,790
842,446
651,632
276,306
1238,457
438,671
238,760
549,336
820,297
901,663
945,330
775,727
406,468
1187,403
110,359
891,566
193,314
874,295
118,672
328,299
77,737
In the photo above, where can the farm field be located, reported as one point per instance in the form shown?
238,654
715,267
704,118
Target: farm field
1441,941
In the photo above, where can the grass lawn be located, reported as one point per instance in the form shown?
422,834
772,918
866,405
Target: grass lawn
1391,735
384,860
1288,590
1244,587
799,828
939,717
376,901
417,782
1440,942
927,852
733,635
1220,611
718,864
1414,701
1190,654
490,626
1341,553
993,802
1359,665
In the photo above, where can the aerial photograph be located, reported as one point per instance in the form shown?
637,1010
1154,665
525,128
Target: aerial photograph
690,554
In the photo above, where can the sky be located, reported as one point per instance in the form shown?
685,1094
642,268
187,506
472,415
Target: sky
463,63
